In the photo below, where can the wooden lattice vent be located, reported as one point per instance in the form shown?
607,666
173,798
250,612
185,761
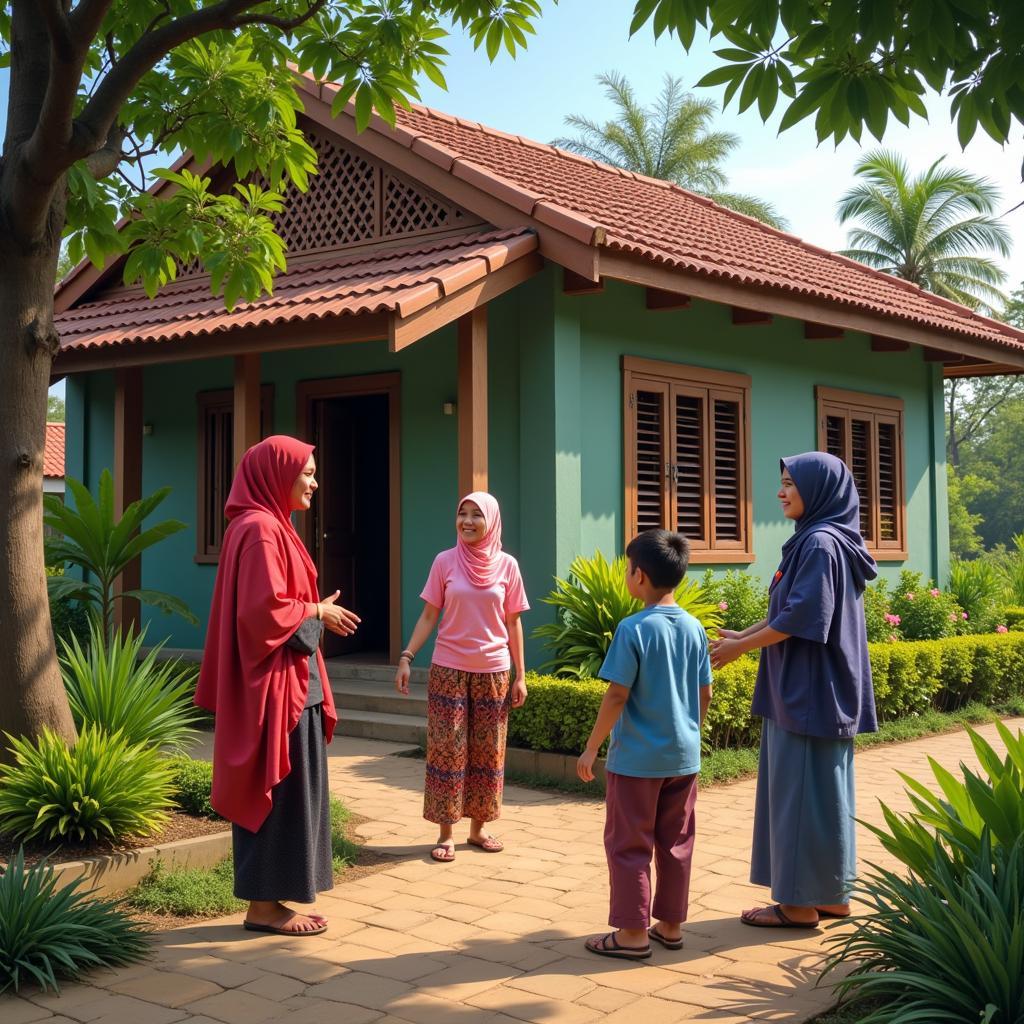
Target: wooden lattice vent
354,201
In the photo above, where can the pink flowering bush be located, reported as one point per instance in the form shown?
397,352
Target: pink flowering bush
883,627
924,611
741,597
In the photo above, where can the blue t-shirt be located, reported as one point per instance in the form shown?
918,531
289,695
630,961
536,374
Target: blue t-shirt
661,654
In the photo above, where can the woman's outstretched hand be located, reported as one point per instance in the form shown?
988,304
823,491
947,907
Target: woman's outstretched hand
337,619
402,674
727,648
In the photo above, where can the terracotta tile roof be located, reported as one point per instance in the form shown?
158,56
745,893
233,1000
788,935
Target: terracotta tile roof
667,225
53,454
402,281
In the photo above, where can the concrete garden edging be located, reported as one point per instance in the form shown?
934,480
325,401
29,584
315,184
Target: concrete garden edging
114,872
542,762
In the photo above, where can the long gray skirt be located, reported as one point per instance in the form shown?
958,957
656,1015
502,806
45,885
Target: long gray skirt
289,858
804,832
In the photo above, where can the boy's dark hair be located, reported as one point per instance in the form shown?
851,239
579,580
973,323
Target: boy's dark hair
663,556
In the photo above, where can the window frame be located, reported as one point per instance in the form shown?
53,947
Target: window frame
709,385
208,402
876,409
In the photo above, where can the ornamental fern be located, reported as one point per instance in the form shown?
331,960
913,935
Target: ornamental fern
591,602
102,788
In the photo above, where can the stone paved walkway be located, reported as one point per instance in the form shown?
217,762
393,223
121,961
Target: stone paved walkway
490,938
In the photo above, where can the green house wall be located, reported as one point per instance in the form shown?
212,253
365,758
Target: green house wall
556,434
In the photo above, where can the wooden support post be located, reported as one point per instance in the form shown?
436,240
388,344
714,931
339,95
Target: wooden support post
127,479
473,401
822,332
658,298
750,316
246,426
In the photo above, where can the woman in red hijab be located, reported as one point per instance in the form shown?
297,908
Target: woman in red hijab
264,678
479,589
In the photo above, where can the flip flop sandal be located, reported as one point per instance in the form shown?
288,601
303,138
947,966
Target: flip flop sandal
667,943
615,950
488,845
444,858
291,932
755,920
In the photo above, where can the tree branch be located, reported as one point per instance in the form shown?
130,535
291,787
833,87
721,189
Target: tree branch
284,24
103,162
56,20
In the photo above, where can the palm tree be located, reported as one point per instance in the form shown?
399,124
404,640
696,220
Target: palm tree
669,140
927,229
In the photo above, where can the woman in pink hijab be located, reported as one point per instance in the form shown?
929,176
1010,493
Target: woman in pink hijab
479,590
264,678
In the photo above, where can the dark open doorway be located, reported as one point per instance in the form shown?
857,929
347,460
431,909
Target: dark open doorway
353,522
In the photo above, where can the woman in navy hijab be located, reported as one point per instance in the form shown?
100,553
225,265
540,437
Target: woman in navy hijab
814,694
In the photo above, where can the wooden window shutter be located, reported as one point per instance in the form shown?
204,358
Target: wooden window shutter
727,476
650,409
866,432
688,468
215,470
687,463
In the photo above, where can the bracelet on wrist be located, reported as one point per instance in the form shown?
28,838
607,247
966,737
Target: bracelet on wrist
407,656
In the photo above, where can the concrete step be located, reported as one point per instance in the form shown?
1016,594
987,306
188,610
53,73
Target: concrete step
347,671
377,725
362,695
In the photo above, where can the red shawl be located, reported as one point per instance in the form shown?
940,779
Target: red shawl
266,586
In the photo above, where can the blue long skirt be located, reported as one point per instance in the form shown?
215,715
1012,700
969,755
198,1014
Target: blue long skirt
804,832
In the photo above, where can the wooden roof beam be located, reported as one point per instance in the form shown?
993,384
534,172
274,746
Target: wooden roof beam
750,316
879,343
661,300
822,332
577,284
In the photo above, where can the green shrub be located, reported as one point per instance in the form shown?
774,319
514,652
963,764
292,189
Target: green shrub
1012,617
978,590
947,942
343,851
102,788
925,612
876,608
147,700
741,598
187,892
69,619
46,932
191,783
1011,570
909,679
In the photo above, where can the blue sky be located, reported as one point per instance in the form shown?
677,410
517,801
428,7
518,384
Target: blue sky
580,38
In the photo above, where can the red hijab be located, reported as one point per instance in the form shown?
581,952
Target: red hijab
482,561
266,586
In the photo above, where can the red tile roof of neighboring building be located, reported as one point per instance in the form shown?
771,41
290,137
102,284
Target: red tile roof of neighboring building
53,454
402,281
665,224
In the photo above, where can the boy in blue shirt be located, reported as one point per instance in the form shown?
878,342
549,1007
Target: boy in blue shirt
659,675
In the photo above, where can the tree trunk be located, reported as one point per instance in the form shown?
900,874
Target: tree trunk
31,690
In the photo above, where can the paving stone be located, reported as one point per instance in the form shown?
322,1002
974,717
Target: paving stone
166,988
234,1007
326,1011
16,1010
362,989
275,986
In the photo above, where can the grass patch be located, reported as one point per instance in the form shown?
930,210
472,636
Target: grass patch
731,764
209,892
933,723
187,892
845,1013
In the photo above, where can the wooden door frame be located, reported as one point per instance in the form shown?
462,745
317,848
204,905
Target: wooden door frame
390,384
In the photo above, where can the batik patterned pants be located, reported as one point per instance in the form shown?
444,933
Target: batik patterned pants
467,720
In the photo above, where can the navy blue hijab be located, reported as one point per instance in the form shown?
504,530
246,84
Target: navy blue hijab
831,505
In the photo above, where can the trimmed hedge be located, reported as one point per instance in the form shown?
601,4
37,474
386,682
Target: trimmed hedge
909,677
1013,617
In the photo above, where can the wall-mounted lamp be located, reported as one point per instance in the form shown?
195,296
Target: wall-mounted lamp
147,429
448,408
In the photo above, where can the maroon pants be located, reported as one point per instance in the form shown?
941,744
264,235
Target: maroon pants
645,817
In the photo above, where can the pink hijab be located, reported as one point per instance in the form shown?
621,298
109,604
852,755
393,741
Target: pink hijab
482,562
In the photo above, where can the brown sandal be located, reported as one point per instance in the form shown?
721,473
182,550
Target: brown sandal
599,944
448,856
489,844
760,919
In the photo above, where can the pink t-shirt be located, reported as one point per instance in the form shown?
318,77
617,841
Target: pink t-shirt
472,636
